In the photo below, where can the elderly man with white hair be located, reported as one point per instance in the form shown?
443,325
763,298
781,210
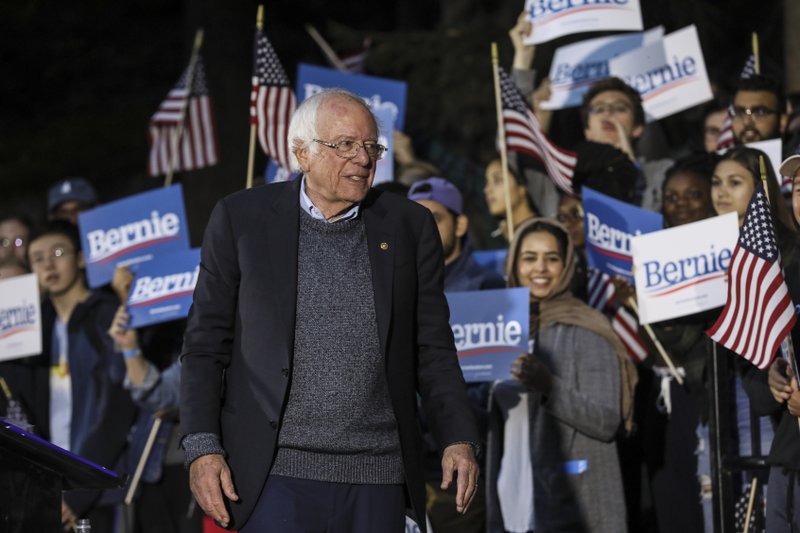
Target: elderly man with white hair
318,316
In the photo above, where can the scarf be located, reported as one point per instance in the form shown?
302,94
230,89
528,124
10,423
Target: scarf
561,307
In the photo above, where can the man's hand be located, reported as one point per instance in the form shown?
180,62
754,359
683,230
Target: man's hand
206,475
461,459
523,53
543,93
121,283
778,379
794,400
68,518
623,142
125,337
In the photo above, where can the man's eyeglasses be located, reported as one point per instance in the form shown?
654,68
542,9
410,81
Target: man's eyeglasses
350,149
16,242
758,112
56,254
614,109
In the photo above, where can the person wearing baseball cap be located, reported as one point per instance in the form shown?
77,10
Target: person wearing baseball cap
69,197
461,273
791,169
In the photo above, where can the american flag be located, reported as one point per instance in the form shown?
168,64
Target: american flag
198,143
749,68
624,322
272,101
523,134
726,138
759,312
355,62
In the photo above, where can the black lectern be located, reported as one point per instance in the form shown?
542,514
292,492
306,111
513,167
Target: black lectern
33,472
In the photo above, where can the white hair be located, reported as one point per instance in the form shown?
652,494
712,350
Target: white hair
303,126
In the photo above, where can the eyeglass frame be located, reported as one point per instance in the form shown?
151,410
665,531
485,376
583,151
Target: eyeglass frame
358,145
616,108
57,253
12,242
576,214
750,112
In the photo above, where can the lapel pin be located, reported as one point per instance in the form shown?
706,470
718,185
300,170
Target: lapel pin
384,246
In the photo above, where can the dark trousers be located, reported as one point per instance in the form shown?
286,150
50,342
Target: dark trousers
304,506
783,501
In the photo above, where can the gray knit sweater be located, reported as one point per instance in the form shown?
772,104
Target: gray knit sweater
338,425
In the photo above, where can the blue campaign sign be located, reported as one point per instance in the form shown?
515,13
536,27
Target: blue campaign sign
275,173
131,231
162,288
492,259
377,92
385,167
490,330
609,225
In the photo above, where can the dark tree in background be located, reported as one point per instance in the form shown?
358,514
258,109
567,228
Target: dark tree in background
81,79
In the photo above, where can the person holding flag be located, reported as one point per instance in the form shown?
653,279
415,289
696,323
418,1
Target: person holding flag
763,276
775,392
611,113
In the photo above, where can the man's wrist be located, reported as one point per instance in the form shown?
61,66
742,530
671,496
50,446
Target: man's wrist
199,444
476,448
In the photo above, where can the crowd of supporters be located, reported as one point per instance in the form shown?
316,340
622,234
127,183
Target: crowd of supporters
612,445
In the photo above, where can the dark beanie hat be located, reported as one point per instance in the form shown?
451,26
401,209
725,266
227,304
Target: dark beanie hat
605,169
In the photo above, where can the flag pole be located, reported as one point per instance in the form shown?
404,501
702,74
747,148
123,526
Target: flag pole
326,48
750,502
148,447
503,148
176,137
251,154
657,343
756,59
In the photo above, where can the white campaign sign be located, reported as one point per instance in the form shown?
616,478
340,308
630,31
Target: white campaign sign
682,270
554,18
774,150
576,66
20,317
670,75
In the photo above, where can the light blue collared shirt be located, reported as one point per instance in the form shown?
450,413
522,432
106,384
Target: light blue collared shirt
308,206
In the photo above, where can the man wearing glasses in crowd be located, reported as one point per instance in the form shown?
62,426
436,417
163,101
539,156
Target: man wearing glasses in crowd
758,112
318,315
81,403
612,113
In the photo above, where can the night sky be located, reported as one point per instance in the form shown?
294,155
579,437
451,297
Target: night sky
81,79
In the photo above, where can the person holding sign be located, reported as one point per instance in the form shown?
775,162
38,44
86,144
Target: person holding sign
582,374
84,407
611,113
318,316
668,413
461,273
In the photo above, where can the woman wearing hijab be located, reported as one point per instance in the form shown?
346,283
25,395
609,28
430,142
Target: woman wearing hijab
581,383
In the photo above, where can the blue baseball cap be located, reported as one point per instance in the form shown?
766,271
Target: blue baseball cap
77,189
439,190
